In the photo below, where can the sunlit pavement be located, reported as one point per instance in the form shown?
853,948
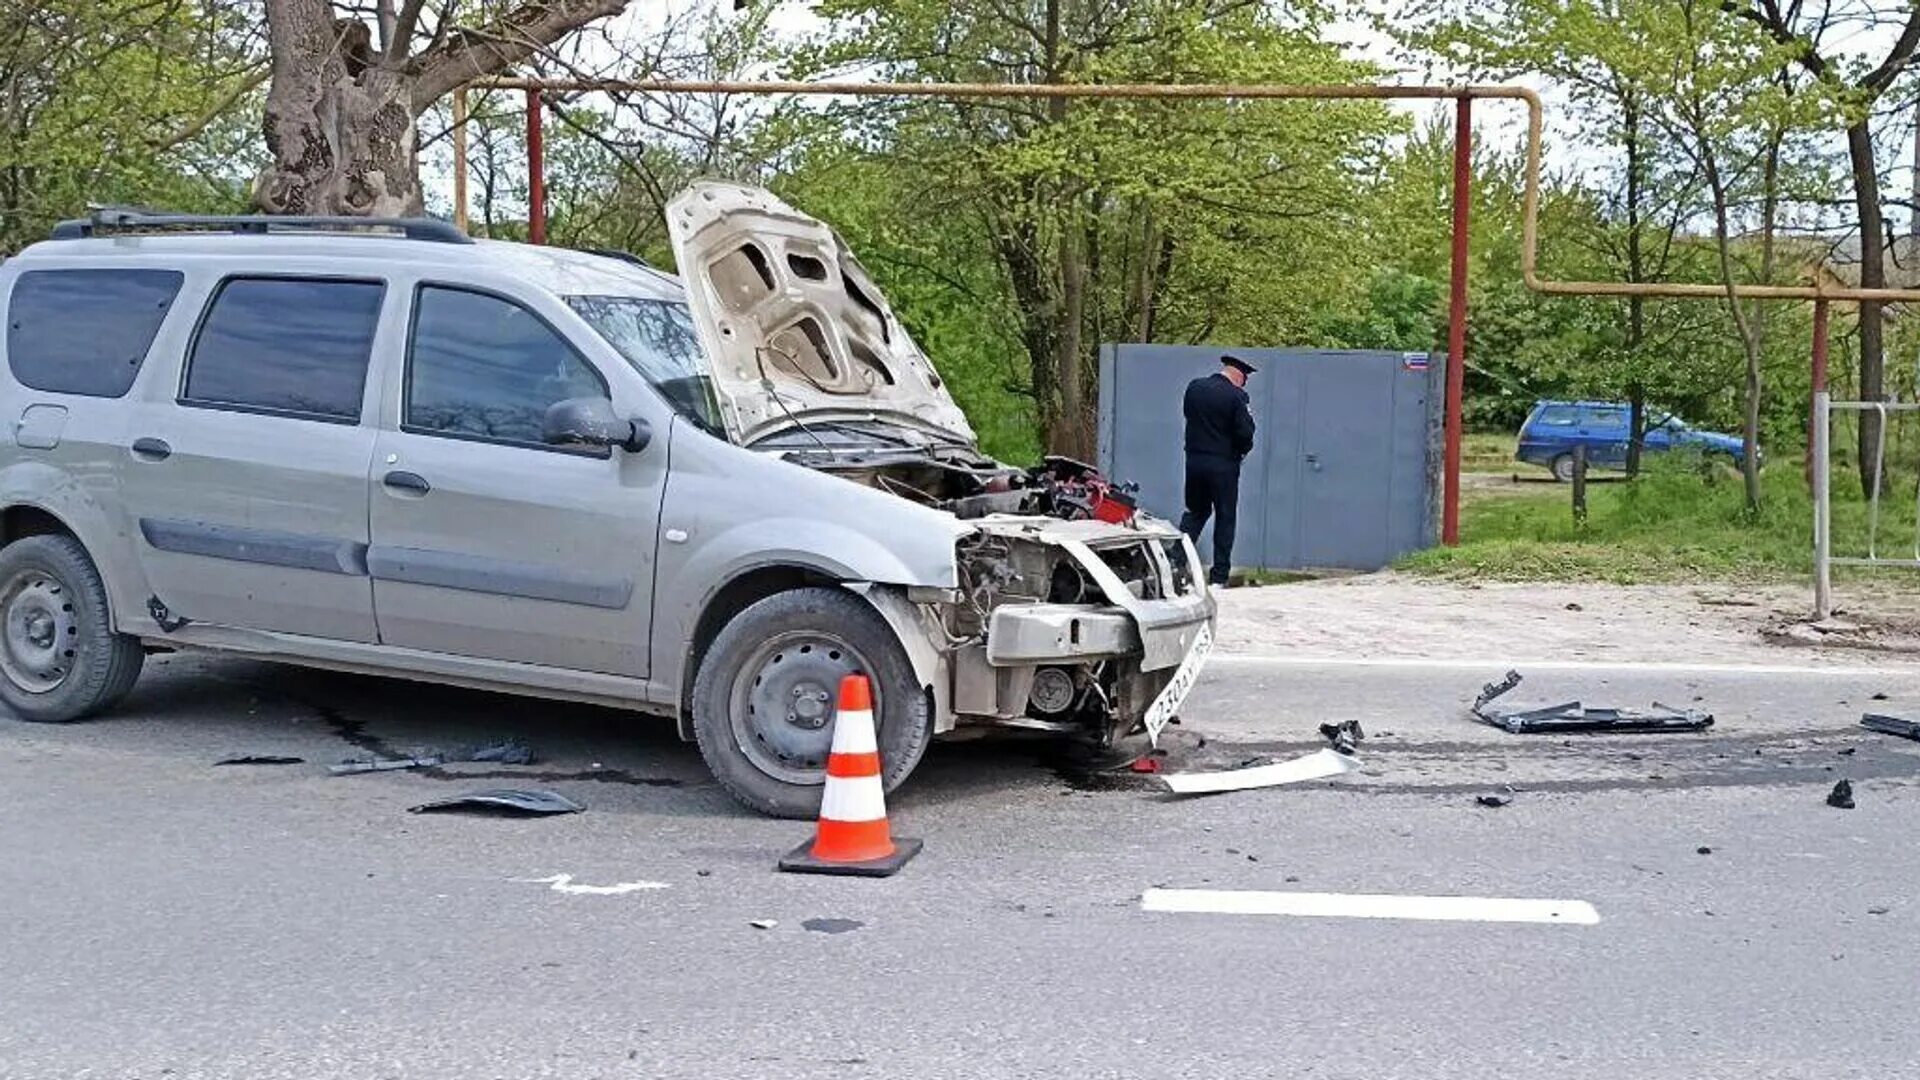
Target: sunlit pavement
168,918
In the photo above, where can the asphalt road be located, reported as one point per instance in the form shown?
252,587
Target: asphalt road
167,918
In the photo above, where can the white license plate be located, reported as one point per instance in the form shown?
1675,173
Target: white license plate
1167,705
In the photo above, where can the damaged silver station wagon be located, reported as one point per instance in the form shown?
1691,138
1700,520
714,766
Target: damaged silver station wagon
391,449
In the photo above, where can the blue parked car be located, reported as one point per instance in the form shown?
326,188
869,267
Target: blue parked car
1554,428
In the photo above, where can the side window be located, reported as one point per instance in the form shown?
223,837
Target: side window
1604,419
85,331
290,346
485,368
1557,416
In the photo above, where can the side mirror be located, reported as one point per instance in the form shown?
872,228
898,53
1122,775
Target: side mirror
591,421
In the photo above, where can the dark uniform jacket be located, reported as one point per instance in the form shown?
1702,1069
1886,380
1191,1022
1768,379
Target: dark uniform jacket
1219,418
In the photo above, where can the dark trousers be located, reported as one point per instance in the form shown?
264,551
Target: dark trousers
1213,491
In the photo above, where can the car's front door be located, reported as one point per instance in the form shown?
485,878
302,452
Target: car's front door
245,480
1604,431
486,541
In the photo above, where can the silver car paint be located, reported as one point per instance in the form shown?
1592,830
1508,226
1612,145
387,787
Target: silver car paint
677,521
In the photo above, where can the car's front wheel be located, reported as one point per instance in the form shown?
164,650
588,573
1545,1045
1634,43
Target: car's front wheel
767,691
60,659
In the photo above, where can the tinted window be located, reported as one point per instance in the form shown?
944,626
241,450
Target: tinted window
286,346
1556,416
85,331
487,368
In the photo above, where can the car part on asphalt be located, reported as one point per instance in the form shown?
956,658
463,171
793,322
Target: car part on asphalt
510,752
1494,801
1314,766
259,759
1575,717
1891,725
506,801
831,926
1343,735
350,768
764,924
1841,797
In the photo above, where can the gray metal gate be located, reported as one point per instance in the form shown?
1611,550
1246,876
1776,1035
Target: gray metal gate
1344,472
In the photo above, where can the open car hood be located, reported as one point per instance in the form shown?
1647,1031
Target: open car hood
794,327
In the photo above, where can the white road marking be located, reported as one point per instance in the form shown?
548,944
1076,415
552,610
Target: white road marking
1370,906
1623,667
563,883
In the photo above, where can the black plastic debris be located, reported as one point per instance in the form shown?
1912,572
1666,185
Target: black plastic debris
348,768
1494,801
831,926
1572,716
1703,850
509,802
1891,725
1343,735
259,759
1841,797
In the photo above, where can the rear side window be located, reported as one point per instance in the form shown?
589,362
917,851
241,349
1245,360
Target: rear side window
85,331
290,346
1556,416
1605,418
487,368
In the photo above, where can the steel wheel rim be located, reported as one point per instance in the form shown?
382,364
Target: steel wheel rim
38,631
783,700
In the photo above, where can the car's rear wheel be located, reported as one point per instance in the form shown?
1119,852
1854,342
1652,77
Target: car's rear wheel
1563,468
765,697
59,657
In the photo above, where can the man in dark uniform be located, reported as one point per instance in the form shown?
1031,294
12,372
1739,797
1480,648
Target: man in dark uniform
1219,436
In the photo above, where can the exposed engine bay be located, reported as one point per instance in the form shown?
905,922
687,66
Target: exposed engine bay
1068,609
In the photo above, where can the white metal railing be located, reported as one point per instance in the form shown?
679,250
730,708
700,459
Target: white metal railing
1824,560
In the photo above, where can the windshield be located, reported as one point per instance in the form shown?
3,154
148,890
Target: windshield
658,339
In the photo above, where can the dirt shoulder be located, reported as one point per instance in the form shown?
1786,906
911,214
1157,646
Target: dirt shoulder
1392,615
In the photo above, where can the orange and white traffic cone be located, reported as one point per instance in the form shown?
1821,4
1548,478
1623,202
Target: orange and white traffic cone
853,837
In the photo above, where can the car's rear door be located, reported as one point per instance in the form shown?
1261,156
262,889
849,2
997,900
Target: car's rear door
1603,428
486,541
245,477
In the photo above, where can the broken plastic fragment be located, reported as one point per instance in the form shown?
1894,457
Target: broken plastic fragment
1573,716
831,926
1343,735
507,801
764,924
506,753
348,768
1494,801
1314,766
259,759
1891,725
1841,797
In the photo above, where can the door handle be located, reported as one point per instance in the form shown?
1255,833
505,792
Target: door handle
151,449
1314,461
401,480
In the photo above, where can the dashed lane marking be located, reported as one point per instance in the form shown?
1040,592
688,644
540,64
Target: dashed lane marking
1370,906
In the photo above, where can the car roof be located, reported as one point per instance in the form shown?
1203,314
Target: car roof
1543,402
559,270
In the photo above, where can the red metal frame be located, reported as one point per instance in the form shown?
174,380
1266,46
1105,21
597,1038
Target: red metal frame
536,171
1457,316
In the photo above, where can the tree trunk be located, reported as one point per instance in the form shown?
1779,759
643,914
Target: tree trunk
339,129
1749,343
1070,433
340,111
1873,275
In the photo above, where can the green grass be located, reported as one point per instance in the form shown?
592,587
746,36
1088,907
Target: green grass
1677,522
1482,452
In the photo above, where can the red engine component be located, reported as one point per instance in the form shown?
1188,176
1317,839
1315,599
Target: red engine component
1076,491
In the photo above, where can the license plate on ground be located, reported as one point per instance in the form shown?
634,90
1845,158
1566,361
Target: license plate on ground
1167,705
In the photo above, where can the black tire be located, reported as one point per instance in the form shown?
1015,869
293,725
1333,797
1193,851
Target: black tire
50,590
1563,468
768,761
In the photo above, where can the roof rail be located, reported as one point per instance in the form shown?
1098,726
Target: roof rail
102,219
